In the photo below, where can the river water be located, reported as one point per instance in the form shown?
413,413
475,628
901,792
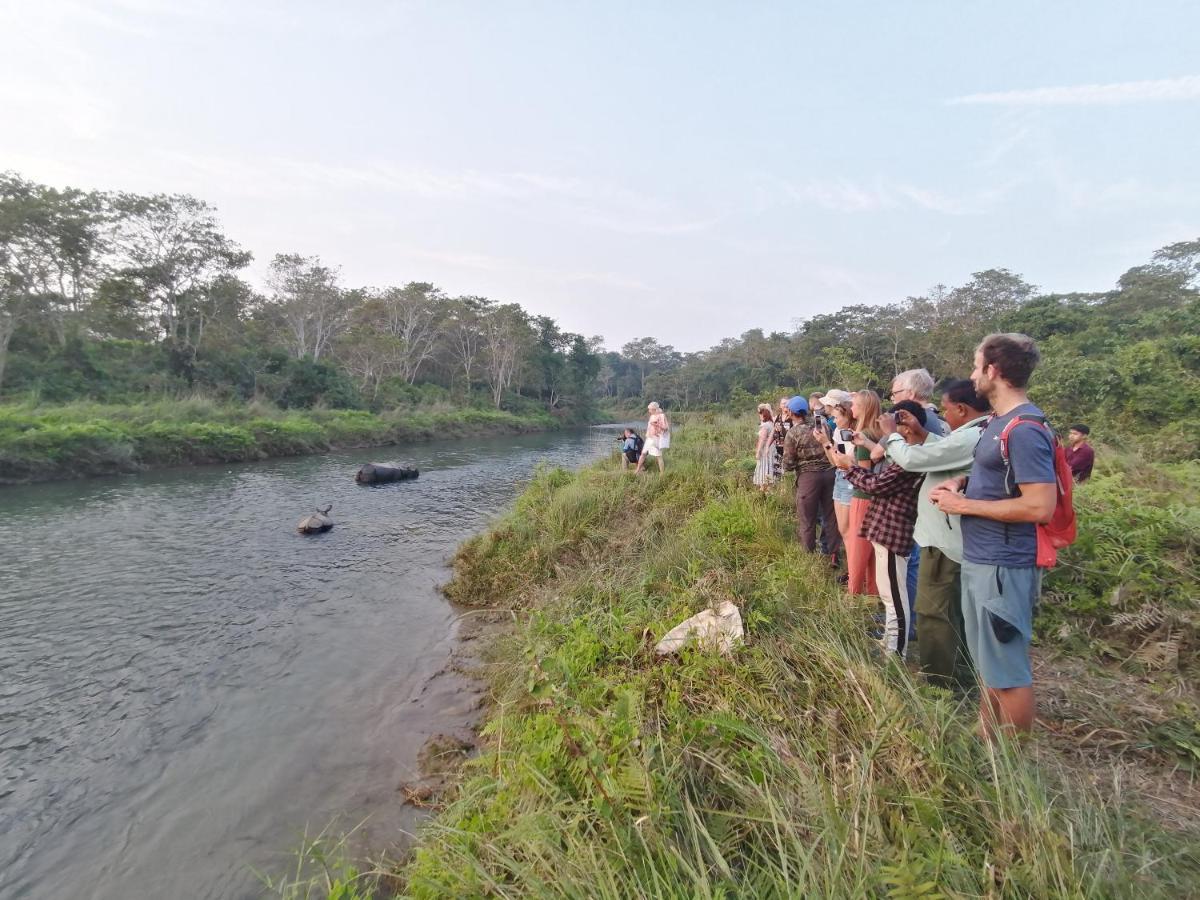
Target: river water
187,684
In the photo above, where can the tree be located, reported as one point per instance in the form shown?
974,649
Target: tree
306,297
50,245
414,315
172,249
506,333
649,356
54,241
464,333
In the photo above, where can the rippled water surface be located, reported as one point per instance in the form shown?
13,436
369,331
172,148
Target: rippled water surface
186,683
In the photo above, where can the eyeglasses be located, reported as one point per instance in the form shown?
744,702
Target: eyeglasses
894,393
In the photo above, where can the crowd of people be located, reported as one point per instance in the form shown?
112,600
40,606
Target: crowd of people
935,510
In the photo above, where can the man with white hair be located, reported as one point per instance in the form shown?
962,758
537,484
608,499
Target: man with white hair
917,384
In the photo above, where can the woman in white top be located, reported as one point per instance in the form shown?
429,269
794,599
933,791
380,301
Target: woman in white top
764,450
658,436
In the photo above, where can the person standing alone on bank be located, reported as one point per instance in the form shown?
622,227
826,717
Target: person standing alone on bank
1001,503
658,437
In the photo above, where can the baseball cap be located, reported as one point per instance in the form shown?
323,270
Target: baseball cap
798,405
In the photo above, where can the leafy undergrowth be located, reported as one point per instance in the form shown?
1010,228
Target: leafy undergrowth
1128,590
39,443
801,766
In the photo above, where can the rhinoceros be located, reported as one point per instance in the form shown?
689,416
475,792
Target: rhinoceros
317,522
374,473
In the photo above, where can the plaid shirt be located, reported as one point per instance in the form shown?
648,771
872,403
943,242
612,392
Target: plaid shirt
893,511
802,452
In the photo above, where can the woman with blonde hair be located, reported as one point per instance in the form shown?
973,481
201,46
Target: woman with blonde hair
658,437
860,555
764,450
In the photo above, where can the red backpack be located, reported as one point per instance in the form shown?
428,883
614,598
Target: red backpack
1059,532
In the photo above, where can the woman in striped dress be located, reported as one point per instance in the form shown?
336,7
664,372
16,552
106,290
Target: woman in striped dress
764,450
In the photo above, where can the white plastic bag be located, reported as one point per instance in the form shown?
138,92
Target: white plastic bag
720,629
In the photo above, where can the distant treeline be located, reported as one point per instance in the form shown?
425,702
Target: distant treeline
1127,360
116,297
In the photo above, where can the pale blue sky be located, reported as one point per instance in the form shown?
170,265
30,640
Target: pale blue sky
686,170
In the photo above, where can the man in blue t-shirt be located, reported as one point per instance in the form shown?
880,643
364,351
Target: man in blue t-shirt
1001,506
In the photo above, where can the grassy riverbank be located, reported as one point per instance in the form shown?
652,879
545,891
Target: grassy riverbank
40,443
803,765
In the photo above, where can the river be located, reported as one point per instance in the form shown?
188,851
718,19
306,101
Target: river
187,684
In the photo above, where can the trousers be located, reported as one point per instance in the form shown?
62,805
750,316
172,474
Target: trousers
814,504
890,571
940,642
860,555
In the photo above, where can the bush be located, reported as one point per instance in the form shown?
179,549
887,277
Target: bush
1132,580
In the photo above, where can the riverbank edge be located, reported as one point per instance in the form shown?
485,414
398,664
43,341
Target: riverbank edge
46,447
546,565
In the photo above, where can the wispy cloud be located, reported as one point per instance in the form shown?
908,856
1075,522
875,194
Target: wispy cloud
593,205
496,264
844,196
1184,88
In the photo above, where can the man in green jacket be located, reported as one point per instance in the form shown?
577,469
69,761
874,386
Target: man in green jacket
943,652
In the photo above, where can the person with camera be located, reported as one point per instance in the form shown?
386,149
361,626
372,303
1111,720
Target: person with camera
940,643
888,525
631,447
782,423
804,454
860,555
838,405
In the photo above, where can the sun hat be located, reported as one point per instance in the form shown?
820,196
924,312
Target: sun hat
836,397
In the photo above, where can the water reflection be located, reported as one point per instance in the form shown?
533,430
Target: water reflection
185,681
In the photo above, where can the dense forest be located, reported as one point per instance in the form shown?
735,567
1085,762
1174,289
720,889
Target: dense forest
1127,360
116,297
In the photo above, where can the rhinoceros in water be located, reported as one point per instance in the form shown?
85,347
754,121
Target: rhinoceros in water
374,473
317,522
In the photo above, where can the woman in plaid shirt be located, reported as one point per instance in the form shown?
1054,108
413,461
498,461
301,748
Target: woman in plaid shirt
889,527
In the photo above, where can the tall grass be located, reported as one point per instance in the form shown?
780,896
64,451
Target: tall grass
803,765
87,438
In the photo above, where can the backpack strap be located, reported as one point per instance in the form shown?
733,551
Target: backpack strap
1009,485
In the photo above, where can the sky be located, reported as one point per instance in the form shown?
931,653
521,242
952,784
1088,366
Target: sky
687,170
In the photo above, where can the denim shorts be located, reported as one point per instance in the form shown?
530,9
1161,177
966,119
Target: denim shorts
998,604
842,489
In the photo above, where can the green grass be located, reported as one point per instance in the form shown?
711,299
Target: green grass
79,439
801,766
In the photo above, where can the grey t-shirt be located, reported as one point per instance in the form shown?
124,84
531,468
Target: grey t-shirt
1031,454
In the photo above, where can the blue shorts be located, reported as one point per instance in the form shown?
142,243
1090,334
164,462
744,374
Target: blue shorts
998,604
842,489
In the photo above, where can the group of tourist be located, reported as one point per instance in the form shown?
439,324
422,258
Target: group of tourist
933,509
937,505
